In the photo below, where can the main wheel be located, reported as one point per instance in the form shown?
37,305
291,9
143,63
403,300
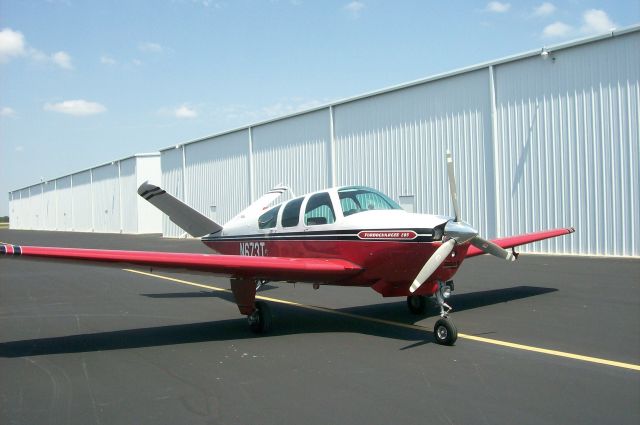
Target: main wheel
445,332
260,319
417,304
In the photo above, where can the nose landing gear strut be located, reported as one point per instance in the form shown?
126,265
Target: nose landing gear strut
444,330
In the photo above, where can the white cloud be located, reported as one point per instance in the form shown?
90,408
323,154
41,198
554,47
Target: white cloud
596,21
497,7
62,59
545,9
185,111
7,112
77,107
107,60
150,47
593,21
355,7
12,44
19,148
557,29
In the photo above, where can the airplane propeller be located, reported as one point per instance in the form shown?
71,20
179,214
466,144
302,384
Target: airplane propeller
456,232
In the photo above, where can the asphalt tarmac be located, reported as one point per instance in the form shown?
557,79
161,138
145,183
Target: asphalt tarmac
83,344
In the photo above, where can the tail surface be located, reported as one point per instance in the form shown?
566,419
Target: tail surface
190,220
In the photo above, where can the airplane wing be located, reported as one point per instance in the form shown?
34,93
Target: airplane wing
513,241
236,266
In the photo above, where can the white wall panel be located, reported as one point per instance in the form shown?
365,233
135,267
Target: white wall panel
17,217
396,142
568,142
106,199
35,212
101,199
25,214
49,206
217,175
149,217
294,151
64,220
82,202
172,182
129,195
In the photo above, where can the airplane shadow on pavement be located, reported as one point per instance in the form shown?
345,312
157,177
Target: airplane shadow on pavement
288,320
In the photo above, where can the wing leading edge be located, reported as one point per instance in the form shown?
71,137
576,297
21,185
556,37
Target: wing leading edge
236,266
513,241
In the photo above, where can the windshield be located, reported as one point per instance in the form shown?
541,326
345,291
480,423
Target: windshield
358,199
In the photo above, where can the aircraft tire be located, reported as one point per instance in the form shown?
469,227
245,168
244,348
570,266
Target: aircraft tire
445,332
260,320
417,304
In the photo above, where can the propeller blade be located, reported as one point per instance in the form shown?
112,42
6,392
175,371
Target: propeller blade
432,264
491,248
452,186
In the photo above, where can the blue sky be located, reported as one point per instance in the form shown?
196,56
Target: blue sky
86,82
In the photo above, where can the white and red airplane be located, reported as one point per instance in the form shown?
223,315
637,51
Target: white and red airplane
348,236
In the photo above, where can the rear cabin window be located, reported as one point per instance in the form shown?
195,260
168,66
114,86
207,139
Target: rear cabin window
319,210
291,213
269,219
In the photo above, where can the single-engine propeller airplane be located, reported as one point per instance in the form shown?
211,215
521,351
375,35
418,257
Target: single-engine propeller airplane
349,236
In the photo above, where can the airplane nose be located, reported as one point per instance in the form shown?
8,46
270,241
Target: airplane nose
460,231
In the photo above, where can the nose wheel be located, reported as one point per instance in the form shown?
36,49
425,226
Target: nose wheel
445,332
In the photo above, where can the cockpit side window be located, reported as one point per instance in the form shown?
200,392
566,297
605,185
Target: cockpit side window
319,210
291,213
357,199
269,219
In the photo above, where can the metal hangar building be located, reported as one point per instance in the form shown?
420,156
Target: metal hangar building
548,138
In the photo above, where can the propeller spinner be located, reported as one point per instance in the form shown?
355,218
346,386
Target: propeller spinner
456,232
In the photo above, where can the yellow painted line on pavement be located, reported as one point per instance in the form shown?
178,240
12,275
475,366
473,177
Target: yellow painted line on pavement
516,346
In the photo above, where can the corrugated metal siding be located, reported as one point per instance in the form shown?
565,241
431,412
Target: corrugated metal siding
149,217
49,206
17,217
396,142
217,175
35,207
295,151
26,208
129,195
64,219
106,199
101,199
172,182
82,203
568,142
